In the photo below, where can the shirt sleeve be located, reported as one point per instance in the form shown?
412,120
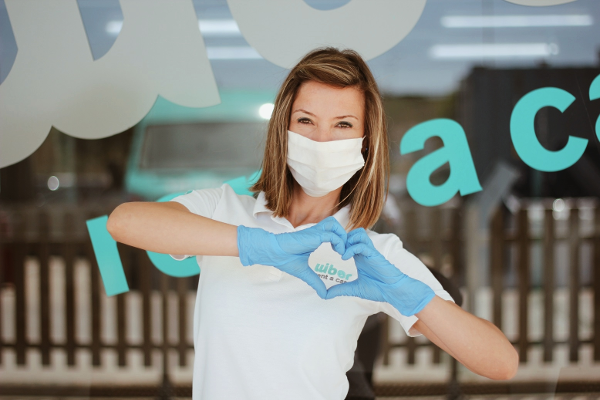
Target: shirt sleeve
201,202
410,265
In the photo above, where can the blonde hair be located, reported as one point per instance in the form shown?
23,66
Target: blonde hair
367,190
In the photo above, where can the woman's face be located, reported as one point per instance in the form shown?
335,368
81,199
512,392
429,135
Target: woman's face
323,113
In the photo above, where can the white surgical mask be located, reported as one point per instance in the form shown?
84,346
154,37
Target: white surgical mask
322,167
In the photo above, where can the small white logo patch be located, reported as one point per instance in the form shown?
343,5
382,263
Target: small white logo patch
330,267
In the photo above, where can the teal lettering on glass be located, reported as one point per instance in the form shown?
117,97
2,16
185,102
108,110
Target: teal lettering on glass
242,184
107,256
189,267
463,177
595,95
522,131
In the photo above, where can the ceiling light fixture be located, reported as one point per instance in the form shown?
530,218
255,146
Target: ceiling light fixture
498,50
515,21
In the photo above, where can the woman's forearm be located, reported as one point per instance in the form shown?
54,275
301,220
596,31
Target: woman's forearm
476,343
171,229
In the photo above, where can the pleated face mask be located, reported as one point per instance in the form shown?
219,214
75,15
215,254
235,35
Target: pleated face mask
322,167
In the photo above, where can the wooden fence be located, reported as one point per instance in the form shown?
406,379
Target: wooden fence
435,234
528,248
29,235
514,234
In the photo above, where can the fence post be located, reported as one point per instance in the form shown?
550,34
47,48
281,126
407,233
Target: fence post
455,245
385,340
548,268
596,284
122,309
411,225
44,256
523,271
437,253
3,265
574,284
454,392
182,291
69,255
18,264
145,275
95,293
411,347
164,291
497,243
412,238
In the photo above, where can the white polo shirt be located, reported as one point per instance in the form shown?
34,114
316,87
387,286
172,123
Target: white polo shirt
262,334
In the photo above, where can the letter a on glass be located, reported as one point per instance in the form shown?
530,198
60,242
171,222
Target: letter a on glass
463,177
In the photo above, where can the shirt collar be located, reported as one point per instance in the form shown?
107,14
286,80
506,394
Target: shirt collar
260,206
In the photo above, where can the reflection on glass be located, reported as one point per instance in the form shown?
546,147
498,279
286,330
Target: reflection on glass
205,146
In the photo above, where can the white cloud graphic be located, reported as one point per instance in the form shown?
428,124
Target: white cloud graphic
282,31
54,80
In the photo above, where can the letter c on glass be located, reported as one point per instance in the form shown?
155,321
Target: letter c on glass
595,95
522,131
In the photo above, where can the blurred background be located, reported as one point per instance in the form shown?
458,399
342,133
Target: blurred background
524,253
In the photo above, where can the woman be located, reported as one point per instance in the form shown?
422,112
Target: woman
260,332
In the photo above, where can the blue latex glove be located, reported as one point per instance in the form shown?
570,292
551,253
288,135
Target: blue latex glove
289,252
379,280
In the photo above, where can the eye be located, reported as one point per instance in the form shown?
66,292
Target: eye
304,120
344,124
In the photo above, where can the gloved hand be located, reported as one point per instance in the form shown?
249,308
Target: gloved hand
379,280
289,252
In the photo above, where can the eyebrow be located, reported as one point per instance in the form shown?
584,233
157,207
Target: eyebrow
309,113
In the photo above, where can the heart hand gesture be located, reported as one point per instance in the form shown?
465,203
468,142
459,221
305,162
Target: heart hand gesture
289,252
379,280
